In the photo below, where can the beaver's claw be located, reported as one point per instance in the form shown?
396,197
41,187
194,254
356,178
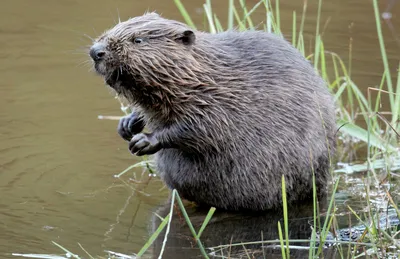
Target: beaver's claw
144,144
130,125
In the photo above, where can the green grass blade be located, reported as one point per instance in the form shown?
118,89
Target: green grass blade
184,13
285,216
209,15
294,29
278,17
242,27
300,45
271,22
350,55
230,15
312,245
340,90
185,215
396,108
207,219
362,134
246,15
323,65
317,51
318,18
328,220
378,104
303,18
154,236
218,24
281,241
311,253
383,52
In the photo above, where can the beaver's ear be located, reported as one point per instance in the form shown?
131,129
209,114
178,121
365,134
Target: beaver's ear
186,38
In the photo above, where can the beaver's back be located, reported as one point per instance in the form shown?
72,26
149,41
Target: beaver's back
277,118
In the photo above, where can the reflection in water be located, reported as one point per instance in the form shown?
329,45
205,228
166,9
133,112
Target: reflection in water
232,228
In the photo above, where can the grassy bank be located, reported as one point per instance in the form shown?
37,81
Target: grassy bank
377,131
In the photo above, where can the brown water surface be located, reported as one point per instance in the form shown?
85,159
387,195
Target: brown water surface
57,160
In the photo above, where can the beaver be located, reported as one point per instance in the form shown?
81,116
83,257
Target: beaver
227,113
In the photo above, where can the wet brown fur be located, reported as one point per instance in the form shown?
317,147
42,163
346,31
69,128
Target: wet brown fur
239,109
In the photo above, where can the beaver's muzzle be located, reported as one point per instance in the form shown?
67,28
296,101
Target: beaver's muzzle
98,51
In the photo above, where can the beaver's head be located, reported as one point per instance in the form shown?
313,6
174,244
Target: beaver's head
145,51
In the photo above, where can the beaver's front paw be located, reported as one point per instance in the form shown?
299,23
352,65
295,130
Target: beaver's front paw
130,125
144,144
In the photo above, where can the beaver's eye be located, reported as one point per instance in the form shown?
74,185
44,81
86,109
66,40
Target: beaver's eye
138,40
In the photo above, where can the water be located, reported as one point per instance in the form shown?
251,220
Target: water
57,160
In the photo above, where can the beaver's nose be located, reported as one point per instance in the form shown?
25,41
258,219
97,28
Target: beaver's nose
97,51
